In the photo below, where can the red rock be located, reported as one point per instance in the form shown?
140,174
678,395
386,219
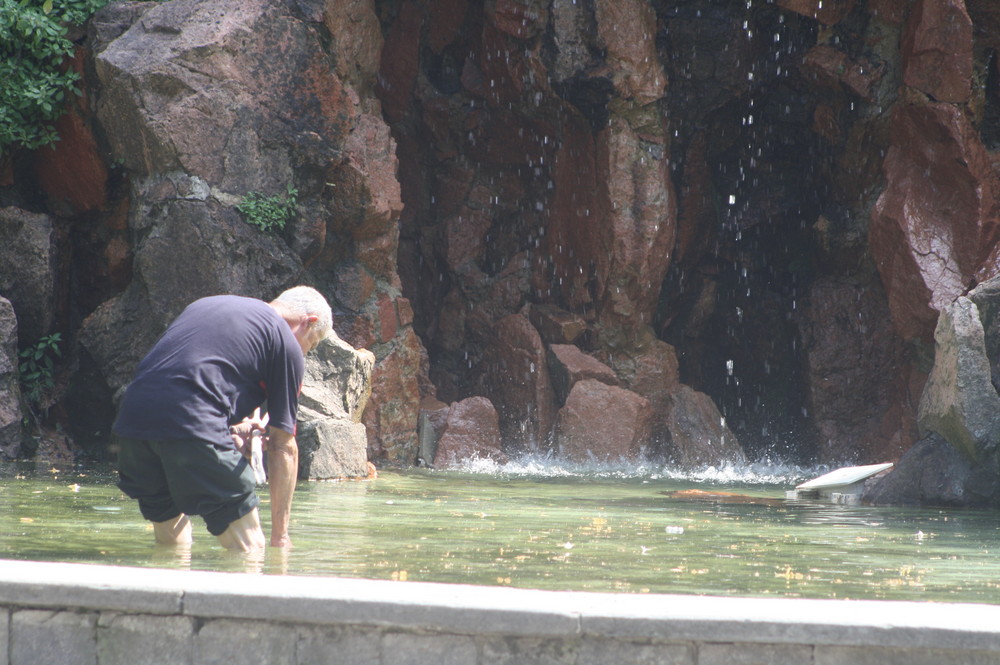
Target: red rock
573,240
72,171
471,431
937,50
827,12
633,261
400,62
556,325
393,410
444,22
519,18
356,38
464,234
928,226
830,65
854,365
516,379
628,30
603,422
388,319
698,432
890,11
568,365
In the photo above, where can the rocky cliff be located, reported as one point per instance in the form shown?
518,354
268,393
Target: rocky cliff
747,216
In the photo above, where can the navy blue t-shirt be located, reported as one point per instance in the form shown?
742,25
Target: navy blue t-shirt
219,360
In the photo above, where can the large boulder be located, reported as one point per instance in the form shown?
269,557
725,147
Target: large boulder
332,441
517,382
10,393
603,423
937,50
699,435
931,473
568,365
471,430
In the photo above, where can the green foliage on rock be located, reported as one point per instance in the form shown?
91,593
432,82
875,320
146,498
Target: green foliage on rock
37,368
34,79
269,213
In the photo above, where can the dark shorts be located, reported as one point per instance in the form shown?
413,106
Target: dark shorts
187,476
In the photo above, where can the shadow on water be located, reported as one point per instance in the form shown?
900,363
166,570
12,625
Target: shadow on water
534,523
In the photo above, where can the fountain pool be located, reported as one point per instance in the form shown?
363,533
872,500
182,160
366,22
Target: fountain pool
546,527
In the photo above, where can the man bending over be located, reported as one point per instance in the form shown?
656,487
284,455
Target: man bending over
223,357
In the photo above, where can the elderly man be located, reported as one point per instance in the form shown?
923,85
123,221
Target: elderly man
223,357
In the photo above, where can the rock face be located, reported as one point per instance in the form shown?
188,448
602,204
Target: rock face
10,392
957,462
754,213
27,280
199,119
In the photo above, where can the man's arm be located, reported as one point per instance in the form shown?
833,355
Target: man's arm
283,469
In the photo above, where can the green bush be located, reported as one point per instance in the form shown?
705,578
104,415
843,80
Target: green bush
269,213
34,79
37,368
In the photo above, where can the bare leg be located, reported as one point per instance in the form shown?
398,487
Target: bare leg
244,534
173,532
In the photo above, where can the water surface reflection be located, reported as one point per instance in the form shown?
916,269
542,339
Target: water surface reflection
532,526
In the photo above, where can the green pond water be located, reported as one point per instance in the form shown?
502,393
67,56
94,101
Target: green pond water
546,528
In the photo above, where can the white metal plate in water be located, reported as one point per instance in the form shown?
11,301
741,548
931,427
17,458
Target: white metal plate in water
844,476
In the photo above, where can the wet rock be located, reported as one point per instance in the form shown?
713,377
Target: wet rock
986,297
28,272
628,31
649,369
555,325
602,422
853,365
72,172
831,65
471,431
632,263
568,365
931,473
930,241
10,392
516,380
699,435
959,402
433,413
828,12
393,411
937,49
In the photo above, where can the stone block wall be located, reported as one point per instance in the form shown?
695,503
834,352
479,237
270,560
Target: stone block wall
71,614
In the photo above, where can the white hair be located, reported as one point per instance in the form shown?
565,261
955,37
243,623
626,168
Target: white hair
308,301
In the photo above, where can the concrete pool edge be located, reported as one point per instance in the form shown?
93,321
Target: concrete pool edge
54,611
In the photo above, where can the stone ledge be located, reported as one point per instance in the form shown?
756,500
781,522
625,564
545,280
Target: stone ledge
462,610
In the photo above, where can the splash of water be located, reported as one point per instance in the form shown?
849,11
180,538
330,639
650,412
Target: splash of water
546,465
